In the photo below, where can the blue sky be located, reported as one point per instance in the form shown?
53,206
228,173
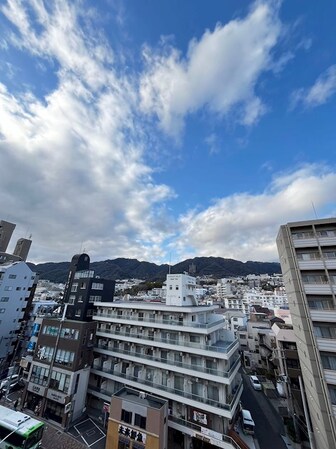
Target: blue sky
165,130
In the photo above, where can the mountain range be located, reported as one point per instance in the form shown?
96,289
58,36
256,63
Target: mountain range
121,268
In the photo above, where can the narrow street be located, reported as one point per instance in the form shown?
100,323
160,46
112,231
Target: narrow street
268,423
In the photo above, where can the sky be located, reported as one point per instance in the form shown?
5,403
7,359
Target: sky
165,130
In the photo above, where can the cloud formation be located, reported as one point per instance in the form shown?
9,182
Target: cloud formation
244,226
321,91
72,162
220,71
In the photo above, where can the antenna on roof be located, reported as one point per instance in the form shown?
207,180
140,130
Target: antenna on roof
314,210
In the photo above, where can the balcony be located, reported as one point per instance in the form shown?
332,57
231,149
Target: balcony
152,358
156,321
220,347
136,381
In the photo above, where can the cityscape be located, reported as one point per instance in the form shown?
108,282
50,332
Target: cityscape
196,363
167,224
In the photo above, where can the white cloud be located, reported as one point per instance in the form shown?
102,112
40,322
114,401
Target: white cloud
220,71
72,163
244,226
323,88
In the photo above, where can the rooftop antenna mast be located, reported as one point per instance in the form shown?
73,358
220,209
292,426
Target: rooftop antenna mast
314,210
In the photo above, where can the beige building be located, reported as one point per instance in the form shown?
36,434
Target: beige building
307,253
137,420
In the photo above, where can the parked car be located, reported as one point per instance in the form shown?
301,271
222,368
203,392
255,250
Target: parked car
11,383
247,422
255,383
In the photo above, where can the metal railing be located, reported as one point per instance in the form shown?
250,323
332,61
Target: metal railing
198,368
182,393
156,320
227,346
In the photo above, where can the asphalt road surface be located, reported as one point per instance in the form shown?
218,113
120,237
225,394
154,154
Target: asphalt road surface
268,423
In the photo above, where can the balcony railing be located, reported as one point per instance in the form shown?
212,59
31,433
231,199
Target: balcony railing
198,368
221,346
156,320
198,428
182,393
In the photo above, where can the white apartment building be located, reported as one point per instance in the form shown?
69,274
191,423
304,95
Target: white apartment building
307,251
16,280
264,298
178,351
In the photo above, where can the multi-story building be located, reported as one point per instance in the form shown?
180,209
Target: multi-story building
175,350
137,420
16,282
60,369
307,251
83,288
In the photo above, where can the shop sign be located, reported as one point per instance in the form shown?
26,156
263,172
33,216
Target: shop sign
56,396
37,389
132,434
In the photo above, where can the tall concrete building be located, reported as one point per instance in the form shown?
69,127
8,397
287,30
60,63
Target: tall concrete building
22,248
307,251
178,351
6,231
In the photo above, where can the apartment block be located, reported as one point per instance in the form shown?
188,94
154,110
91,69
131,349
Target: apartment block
307,251
177,351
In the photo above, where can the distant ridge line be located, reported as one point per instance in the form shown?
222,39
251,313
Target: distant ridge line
122,268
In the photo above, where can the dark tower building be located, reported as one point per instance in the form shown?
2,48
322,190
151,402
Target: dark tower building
83,288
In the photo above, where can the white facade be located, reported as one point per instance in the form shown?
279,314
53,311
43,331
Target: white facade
181,290
16,280
180,353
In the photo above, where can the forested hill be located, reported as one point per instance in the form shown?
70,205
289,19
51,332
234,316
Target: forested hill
133,268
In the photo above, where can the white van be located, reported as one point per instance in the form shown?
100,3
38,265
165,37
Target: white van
11,381
247,422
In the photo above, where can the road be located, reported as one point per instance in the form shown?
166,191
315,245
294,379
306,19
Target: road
268,423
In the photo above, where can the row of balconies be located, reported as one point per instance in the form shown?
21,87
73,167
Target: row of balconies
172,362
227,403
220,346
157,320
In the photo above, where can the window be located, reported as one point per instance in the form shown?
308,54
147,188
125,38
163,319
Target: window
328,361
18,288
8,288
50,330
39,375
89,313
74,287
59,381
78,312
45,353
64,357
71,334
140,421
126,416
4,299
12,276
97,286
315,278
195,338
95,298
83,285
72,299
2,310
324,331
332,392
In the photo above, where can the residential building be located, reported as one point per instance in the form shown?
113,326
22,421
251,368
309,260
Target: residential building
16,283
137,420
307,251
176,350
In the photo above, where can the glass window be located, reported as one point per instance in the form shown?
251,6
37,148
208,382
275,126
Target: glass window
74,287
4,299
126,416
97,286
12,276
328,361
324,331
140,421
